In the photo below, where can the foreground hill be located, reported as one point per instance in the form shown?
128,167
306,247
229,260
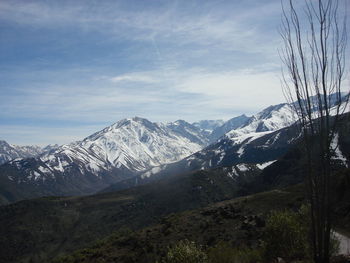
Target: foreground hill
239,222
43,229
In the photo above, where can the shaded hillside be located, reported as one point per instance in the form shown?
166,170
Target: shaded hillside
44,227
239,222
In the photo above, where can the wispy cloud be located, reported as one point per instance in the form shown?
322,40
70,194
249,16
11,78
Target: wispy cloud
134,77
230,26
86,64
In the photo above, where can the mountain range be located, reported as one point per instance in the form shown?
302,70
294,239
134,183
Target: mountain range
135,151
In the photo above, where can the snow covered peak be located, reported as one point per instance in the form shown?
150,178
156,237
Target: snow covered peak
268,112
135,121
270,119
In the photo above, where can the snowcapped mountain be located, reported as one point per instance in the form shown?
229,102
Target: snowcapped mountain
258,129
259,139
252,152
10,152
136,150
257,144
133,144
208,125
137,144
229,125
112,154
270,119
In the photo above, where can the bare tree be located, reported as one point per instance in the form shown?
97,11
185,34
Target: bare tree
313,55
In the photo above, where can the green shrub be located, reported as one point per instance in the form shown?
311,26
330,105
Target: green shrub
285,236
224,253
186,252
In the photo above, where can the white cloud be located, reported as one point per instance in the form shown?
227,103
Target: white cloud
157,94
244,91
134,77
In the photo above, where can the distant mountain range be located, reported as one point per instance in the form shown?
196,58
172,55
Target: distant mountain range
135,151
10,152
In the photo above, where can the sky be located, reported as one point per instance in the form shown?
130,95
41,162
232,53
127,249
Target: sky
71,68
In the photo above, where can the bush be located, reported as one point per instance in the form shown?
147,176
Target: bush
285,236
186,252
224,253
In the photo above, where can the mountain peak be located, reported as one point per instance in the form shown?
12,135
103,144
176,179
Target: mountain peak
139,119
181,122
131,121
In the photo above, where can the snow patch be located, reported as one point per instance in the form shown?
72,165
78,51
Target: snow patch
44,170
241,150
233,174
262,166
338,154
36,175
151,172
242,167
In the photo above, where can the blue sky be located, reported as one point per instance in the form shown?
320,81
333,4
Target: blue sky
70,68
